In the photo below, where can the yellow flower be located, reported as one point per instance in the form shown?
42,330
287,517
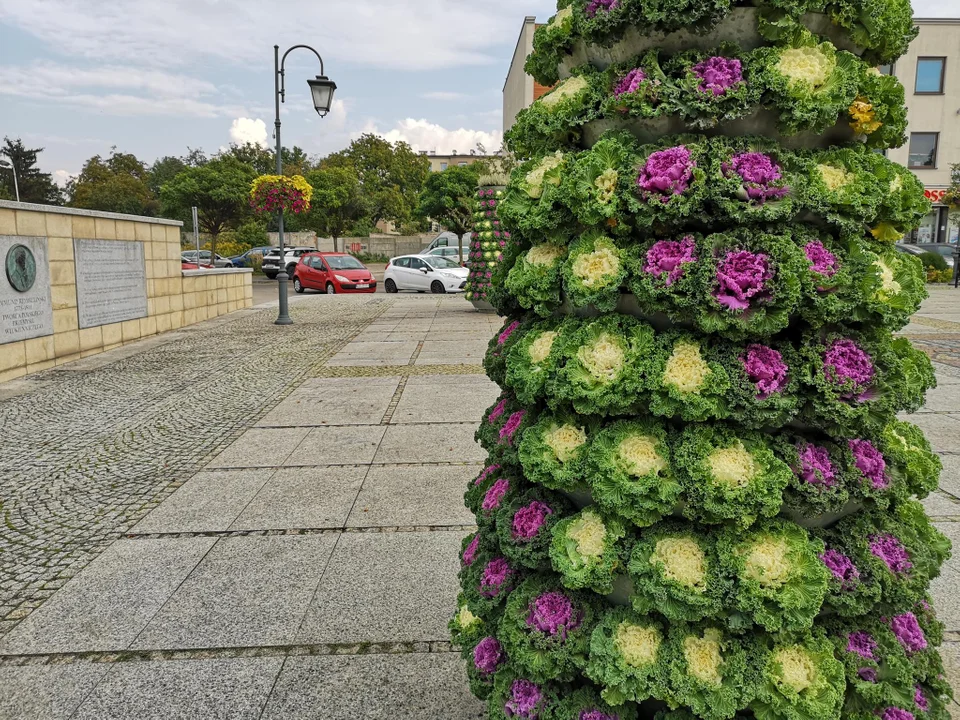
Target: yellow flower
833,177
603,359
808,65
733,466
606,184
588,531
703,656
570,87
535,178
767,562
545,255
564,441
797,669
297,182
540,348
683,561
888,284
597,268
639,454
465,618
638,645
864,117
686,369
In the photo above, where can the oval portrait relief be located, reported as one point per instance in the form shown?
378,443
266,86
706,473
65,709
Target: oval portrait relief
21,268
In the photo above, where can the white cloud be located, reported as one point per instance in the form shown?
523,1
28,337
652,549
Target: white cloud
441,95
61,176
245,130
424,135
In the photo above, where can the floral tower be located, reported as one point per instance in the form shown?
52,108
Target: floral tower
487,243
699,499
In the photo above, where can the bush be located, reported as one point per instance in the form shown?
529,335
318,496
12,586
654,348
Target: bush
252,234
939,276
935,261
366,257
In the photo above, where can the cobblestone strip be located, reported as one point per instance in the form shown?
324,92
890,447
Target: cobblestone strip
338,530
86,454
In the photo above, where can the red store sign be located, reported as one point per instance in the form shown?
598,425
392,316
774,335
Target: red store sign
934,195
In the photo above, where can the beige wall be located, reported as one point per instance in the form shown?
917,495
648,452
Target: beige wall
436,161
518,89
933,113
174,298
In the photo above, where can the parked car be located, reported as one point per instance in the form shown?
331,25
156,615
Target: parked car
271,261
333,273
190,256
194,266
451,253
424,272
244,260
444,239
943,249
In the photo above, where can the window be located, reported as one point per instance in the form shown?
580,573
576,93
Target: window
416,263
443,166
463,164
402,262
923,150
930,75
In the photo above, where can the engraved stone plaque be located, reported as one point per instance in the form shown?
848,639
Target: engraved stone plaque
26,310
111,281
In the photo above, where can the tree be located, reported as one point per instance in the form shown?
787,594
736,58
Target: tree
163,171
34,186
391,175
338,203
448,198
115,184
220,190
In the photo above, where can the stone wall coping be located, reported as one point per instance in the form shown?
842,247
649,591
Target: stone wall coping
216,271
33,207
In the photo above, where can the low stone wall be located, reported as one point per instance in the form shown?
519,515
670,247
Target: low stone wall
74,283
389,246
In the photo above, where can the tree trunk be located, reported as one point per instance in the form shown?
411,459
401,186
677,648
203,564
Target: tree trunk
335,244
460,244
213,251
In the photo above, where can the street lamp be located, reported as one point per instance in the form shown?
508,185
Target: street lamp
322,89
16,187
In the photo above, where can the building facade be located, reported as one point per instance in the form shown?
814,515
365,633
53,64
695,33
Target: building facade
520,89
439,163
930,73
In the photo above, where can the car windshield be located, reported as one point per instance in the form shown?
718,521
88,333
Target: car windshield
945,250
441,263
343,262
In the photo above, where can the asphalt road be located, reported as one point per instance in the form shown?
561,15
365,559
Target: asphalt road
265,290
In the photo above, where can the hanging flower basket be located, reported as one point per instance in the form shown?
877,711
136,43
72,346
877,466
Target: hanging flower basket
272,193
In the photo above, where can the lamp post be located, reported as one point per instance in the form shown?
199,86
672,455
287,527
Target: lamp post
13,169
321,89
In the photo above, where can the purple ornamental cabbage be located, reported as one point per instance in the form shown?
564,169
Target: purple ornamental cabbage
815,466
510,427
670,257
630,83
596,6
495,493
765,368
846,361
868,674
553,613
843,569
525,700
863,644
759,174
497,411
470,554
666,173
895,713
528,520
496,575
919,699
741,278
870,462
487,655
909,633
596,715
718,74
822,261
507,332
891,551
487,472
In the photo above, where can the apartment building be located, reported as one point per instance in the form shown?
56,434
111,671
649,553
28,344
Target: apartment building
440,162
520,90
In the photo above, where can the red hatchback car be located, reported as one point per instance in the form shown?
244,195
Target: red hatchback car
333,273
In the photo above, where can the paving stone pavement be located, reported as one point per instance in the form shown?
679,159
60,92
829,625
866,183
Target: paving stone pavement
262,522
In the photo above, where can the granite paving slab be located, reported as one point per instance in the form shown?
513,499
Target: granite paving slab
248,591
941,505
46,692
435,398
943,431
303,498
331,401
348,444
946,600
429,443
943,398
386,587
208,501
211,689
261,447
112,600
374,687
950,475
404,495
446,351
374,353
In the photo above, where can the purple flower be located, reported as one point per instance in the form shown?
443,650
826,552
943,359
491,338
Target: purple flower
528,520
741,277
870,462
497,411
595,6
891,551
846,362
525,700
496,575
507,332
765,368
670,257
863,644
510,427
822,261
629,83
846,572
895,713
909,632
919,699
596,715
470,554
760,175
868,674
718,74
815,466
553,613
491,501
487,655
666,173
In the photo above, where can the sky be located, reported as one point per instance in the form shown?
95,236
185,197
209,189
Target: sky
153,78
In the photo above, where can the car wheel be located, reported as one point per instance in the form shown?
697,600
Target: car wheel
389,285
436,287
297,285
331,290
290,269
271,276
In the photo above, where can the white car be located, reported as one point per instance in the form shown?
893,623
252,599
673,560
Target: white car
423,273
291,256
450,253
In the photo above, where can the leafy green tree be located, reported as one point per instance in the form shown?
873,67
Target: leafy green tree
295,161
448,198
163,171
339,202
220,190
35,186
118,183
